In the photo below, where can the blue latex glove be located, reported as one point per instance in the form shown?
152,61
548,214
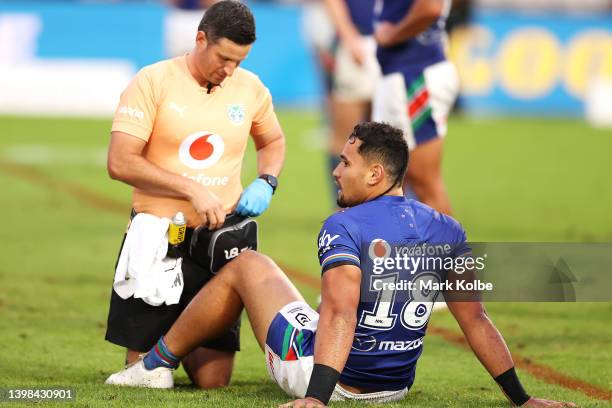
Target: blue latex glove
255,199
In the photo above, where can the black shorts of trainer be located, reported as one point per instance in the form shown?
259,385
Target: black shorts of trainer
136,325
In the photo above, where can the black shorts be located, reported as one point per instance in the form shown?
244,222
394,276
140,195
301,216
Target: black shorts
136,325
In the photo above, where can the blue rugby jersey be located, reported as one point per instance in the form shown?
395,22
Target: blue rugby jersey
362,15
416,53
391,323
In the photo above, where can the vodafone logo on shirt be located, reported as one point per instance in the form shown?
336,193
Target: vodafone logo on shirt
379,248
201,150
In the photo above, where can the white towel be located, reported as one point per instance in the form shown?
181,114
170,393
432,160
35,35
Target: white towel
143,270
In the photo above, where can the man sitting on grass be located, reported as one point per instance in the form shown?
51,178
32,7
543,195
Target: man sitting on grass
366,341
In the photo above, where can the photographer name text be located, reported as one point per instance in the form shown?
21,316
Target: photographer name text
428,285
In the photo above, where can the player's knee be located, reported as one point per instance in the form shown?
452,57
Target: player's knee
212,381
209,379
239,264
254,265
208,368
247,260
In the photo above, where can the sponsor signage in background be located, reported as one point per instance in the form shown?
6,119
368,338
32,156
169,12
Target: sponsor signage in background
280,56
63,58
92,31
532,63
74,59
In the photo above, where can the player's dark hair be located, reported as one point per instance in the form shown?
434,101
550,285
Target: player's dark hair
384,143
229,19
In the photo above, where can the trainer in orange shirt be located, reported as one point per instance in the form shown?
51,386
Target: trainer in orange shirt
179,137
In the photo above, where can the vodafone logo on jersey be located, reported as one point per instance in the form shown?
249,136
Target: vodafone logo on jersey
201,150
379,248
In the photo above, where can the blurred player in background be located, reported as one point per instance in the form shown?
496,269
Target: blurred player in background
355,71
418,88
179,137
356,348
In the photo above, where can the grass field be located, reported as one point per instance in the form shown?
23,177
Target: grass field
509,180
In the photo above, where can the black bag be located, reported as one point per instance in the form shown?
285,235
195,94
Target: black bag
213,249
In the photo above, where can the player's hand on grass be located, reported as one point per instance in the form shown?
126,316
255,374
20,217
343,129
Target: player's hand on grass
304,403
385,34
538,402
255,199
208,207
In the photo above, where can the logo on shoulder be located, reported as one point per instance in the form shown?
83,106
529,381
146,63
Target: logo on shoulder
131,112
325,241
236,113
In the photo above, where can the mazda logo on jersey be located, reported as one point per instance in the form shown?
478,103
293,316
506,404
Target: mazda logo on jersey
379,248
201,150
362,342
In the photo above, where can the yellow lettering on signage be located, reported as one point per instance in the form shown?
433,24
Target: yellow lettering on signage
529,61
470,47
589,56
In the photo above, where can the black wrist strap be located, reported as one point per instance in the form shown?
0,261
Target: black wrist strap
322,383
512,387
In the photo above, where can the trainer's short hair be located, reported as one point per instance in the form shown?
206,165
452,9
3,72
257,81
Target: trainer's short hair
386,144
229,19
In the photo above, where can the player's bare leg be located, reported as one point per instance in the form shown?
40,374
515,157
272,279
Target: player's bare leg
425,178
343,116
252,281
131,356
207,368
425,175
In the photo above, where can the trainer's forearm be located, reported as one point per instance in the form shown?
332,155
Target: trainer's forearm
334,338
139,172
488,345
422,14
271,157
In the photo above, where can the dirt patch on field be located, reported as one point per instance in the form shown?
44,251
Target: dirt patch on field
83,194
101,202
304,278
